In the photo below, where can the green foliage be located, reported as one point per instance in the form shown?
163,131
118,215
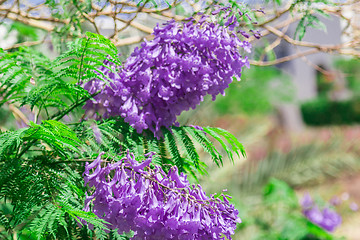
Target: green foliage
19,70
46,198
51,86
219,134
10,142
42,197
188,146
310,11
277,2
56,134
243,12
85,56
206,144
72,13
278,191
177,147
308,20
25,32
60,87
155,3
52,133
173,150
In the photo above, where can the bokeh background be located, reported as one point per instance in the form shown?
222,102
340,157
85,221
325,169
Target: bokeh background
298,119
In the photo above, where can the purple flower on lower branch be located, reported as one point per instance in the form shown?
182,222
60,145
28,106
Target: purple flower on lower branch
325,218
132,196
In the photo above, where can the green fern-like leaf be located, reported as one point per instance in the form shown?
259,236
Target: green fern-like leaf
4,221
216,136
45,223
55,134
18,71
206,144
115,235
153,146
188,146
10,142
57,83
172,147
236,146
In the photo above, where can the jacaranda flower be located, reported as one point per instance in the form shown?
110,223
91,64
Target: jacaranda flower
131,195
170,74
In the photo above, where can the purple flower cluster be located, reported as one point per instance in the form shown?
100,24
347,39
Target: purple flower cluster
326,218
130,195
170,74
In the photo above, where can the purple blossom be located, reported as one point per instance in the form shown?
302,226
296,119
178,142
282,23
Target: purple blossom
326,218
197,127
248,16
170,74
261,10
307,201
215,12
131,195
256,34
335,201
353,206
244,34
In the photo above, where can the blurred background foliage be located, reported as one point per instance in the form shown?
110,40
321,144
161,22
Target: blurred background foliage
323,110
282,163
258,92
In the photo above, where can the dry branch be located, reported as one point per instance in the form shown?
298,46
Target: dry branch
124,16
